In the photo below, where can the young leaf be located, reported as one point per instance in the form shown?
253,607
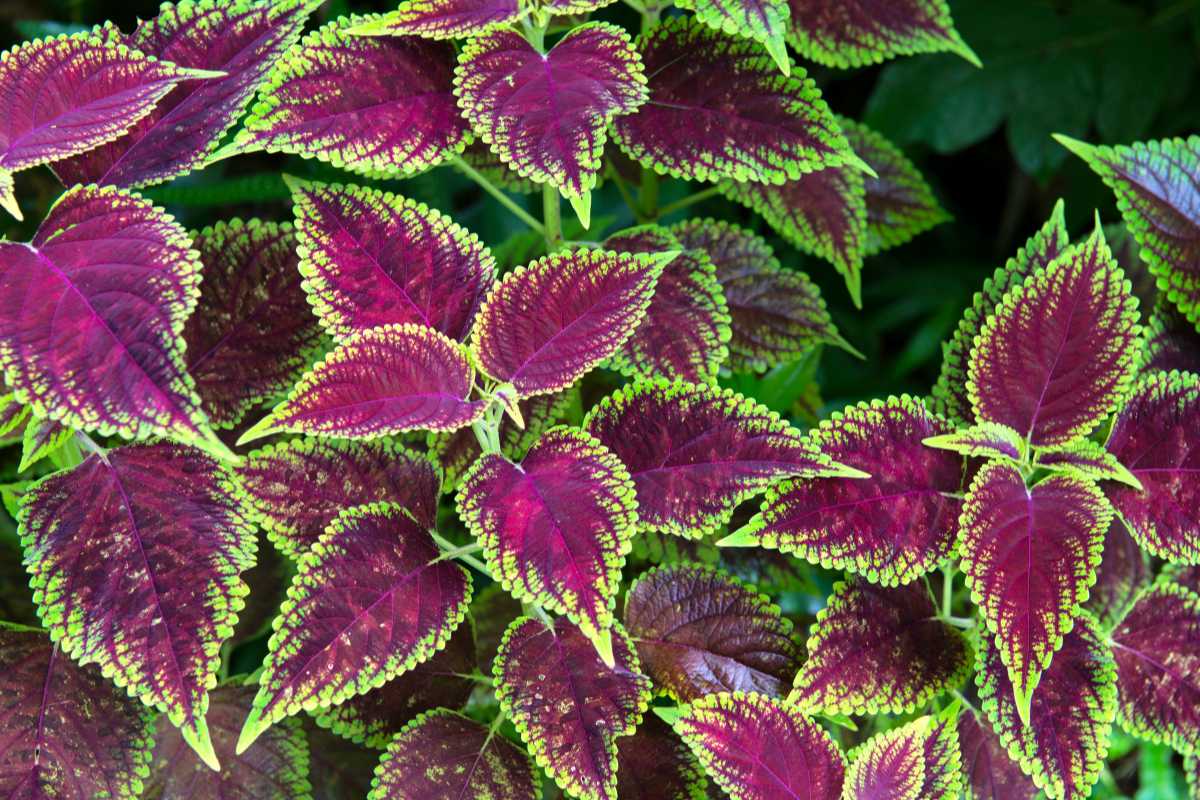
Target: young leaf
67,733
903,654
1123,572
1157,650
889,765
764,21
441,19
757,748
654,764
556,528
984,440
13,414
380,381
545,115
443,755
90,328
569,706
134,559
699,631
373,258
1059,351
890,528
546,324
370,600
776,315
1063,744
369,105
857,33
1172,342
41,438
990,773
1085,459
695,452
1154,435
294,489
719,108
252,333
240,41
1029,556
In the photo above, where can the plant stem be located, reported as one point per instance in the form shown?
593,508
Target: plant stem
695,197
495,192
448,546
552,218
960,622
947,590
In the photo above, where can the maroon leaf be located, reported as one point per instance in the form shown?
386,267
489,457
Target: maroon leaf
1172,342
1123,572
991,774
337,768
654,764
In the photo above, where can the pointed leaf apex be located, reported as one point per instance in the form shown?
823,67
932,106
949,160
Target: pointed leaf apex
264,427
964,50
508,397
202,74
230,150
1079,148
778,51
742,537
840,341
669,714
853,160
1024,699
604,647
374,27
251,730
295,184
199,740
583,209
8,198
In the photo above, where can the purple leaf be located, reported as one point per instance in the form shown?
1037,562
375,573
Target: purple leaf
1085,459
555,528
568,705
891,527
776,315
1157,650
337,768
65,732
1123,572
903,655
373,258
94,306
1154,435
857,33
492,609
943,757
654,764
134,558
1030,556
1059,350
372,105
990,773
1186,576
718,108
984,440
545,115
242,40
695,452
686,328
1172,342
41,438
252,333
380,381
764,21
13,414
441,19
588,303
370,600
889,765
757,748
699,631
1062,747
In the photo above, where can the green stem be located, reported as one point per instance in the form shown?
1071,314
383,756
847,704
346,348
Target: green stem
947,589
448,546
495,192
696,197
551,218
459,552
960,622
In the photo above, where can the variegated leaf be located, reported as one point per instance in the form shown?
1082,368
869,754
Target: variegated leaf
983,440
441,19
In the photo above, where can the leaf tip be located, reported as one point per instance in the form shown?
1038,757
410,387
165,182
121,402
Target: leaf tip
264,427
742,537
602,640
853,160
1079,148
669,714
198,739
251,730
375,27
583,209
8,197
777,49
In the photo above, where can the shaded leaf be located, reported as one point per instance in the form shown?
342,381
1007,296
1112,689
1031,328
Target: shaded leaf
654,764
1172,342
1123,572
989,771
337,768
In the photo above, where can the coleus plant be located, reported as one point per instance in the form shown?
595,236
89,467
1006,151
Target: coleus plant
437,424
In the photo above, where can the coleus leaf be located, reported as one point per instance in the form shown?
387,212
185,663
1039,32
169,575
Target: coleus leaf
685,332
103,545
441,19
655,764
943,756
275,768
239,40
889,765
764,21
66,732
568,705
857,33
695,452
373,258
895,526
718,108
1085,459
380,381
1059,351
984,440
555,528
1062,747
13,413
1157,651
950,392
1154,437
90,328
588,302
443,755
1172,342
776,315
252,333
370,600
546,115
699,631
1030,556
903,655
41,438
372,105
337,768
492,609
758,748
989,771
1123,572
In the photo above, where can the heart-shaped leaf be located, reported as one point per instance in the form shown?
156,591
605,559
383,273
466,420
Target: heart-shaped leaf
1172,342
903,654
891,528
655,764
1123,572
370,600
372,258
94,307
66,732
989,771
378,382
252,333
568,705
441,19
1060,349
1154,436
984,440
588,302
103,545
718,108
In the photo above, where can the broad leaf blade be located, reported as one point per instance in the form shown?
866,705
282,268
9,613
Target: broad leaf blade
889,765
1123,572
441,19
1085,459
654,764
764,21
989,771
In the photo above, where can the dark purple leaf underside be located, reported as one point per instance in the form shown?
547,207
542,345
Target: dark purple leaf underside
990,772
1172,342
654,764
337,768
1123,572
